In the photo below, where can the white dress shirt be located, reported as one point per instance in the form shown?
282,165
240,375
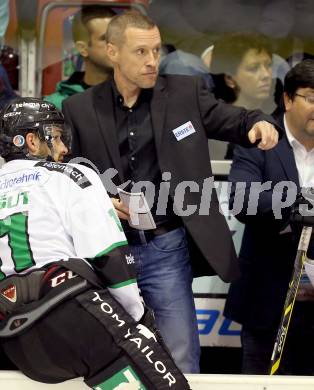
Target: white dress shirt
304,159
305,166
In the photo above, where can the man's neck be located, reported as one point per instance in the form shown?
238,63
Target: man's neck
306,141
95,75
129,91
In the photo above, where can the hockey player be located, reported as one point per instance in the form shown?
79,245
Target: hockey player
69,302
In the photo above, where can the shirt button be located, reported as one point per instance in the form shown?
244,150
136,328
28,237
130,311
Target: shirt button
132,158
131,133
130,110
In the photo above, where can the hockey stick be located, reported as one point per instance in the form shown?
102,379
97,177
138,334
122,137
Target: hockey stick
290,299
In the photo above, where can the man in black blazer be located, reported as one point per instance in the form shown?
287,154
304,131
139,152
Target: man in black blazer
156,129
269,246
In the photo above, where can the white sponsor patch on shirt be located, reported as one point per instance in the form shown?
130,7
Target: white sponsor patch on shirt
184,130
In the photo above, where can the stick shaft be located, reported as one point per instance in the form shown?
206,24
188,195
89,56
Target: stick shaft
290,299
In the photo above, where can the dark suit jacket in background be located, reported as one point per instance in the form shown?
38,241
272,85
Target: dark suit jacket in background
266,256
176,100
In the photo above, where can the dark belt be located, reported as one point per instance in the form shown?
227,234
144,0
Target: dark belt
135,236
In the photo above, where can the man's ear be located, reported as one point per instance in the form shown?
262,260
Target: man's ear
81,47
287,101
112,52
230,81
32,142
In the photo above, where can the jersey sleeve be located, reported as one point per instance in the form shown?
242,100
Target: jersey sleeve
99,238
94,224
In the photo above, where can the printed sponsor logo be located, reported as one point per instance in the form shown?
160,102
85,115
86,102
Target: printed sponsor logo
61,278
214,328
72,172
129,259
13,200
143,330
9,293
184,130
24,178
124,379
11,114
17,323
32,105
139,340
18,140
282,338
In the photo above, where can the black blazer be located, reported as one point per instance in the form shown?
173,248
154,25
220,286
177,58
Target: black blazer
266,256
176,100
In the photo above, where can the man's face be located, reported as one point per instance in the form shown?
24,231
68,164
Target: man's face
136,60
59,149
53,146
96,48
300,113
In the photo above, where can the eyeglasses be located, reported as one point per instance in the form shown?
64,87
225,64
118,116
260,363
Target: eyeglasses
308,98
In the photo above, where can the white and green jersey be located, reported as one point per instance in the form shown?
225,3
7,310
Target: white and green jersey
51,211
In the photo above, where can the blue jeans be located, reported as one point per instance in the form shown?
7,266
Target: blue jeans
165,280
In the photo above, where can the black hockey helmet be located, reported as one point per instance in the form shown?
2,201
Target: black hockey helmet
24,115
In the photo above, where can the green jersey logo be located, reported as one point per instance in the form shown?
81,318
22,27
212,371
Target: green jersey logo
121,379
13,199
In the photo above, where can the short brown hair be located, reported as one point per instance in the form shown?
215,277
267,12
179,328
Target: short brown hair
88,12
119,23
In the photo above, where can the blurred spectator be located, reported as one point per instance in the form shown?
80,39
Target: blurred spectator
88,30
6,91
4,18
207,56
297,57
183,63
242,70
241,67
8,60
280,67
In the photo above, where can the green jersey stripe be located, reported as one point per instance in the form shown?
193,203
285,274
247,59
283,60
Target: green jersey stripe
123,284
110,248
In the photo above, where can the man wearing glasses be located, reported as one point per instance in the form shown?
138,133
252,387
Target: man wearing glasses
269,246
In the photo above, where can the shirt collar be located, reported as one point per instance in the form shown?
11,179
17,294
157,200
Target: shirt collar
145,95
294,143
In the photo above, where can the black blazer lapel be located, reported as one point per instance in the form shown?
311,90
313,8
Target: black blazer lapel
286,156
158,110
285,153
103,104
